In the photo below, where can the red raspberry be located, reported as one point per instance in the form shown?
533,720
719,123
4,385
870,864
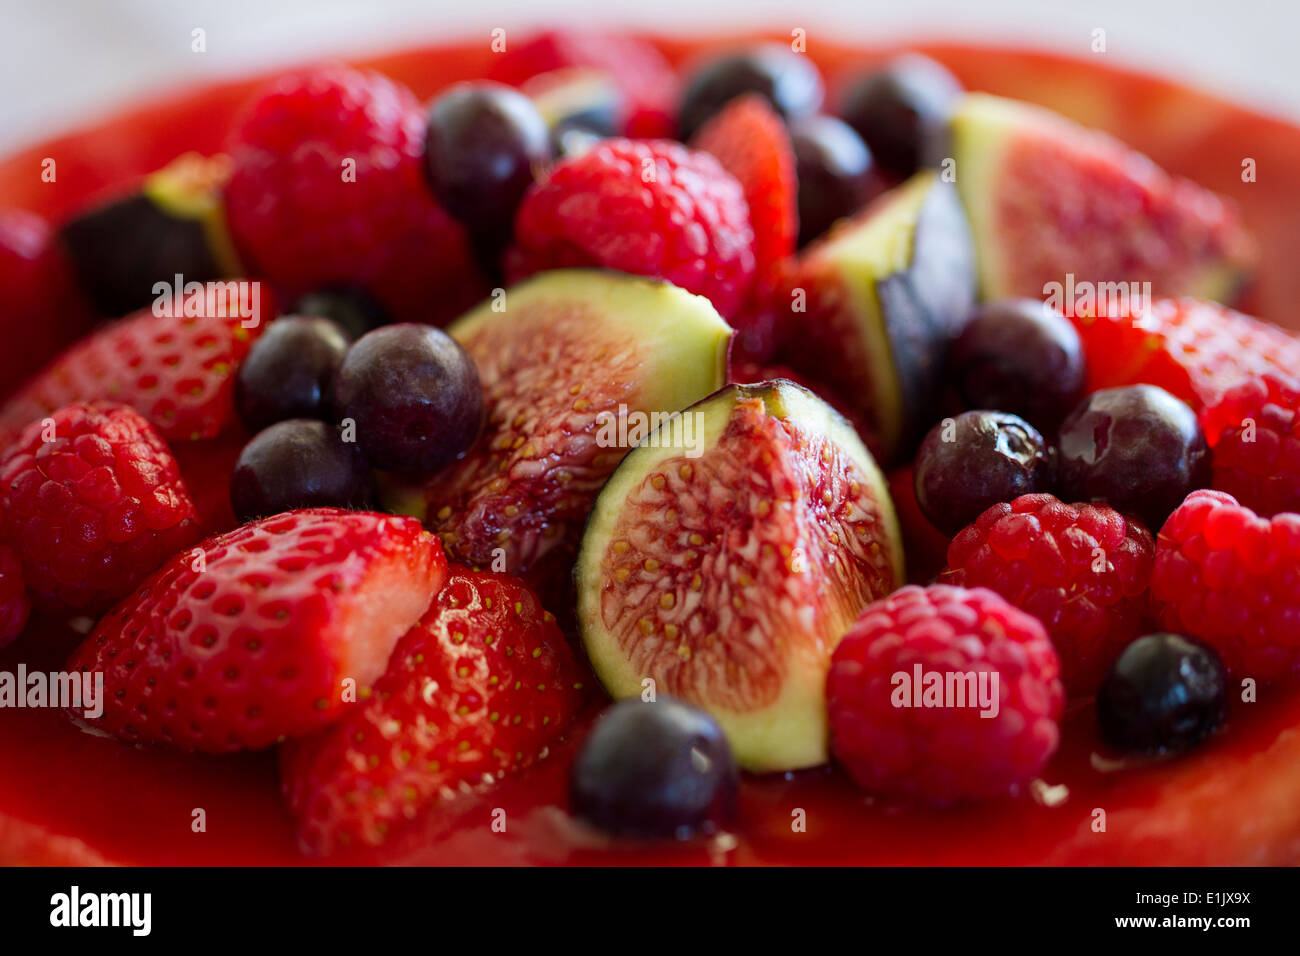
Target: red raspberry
649,208
39,296
1192,349
640,71
14,604
1254,430
895,746
328,189
1229,577
1083,570
93,504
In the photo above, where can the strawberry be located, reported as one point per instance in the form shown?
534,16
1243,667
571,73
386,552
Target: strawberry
265,632
479,688
1191,348
750,141
93,502
174,368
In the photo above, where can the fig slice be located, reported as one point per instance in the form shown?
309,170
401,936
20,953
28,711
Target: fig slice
576,366
1048,198
728,555
885,293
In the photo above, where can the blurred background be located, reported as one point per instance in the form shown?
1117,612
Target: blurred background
67,60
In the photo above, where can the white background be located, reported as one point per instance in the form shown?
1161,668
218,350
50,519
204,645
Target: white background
65,60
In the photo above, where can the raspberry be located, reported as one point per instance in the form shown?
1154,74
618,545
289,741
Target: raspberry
1254,430
328,189
1192,349
14,604
943,753
95,508
1083,570
649,208
640,71
1229,577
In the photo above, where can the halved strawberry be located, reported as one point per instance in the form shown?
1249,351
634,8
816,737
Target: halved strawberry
175,369
267,632
1191,348
750,141
479,688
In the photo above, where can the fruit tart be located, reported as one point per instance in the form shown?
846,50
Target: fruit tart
616,450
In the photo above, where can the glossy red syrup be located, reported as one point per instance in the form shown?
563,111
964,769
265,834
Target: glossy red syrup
67,796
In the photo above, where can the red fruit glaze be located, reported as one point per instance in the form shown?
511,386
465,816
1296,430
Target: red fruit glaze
263,633
1229,577
1190,348
475,691
637,67
1254,432
175,370
651,208
954,749
328,188
93,503
1083,570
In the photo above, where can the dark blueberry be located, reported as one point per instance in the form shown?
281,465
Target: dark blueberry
1022,357
901,110
413,395
301,463
970,463
484,143
788,80
1137,448
658,769
835,172
289,371
354,309
1163,693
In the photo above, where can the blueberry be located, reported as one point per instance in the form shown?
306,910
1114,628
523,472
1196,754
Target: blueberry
414,396
354,309
300,463
288,371
1137,448
969,463
1022,357
835,173
655,769
484,143
901,111
788,80
1163,693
